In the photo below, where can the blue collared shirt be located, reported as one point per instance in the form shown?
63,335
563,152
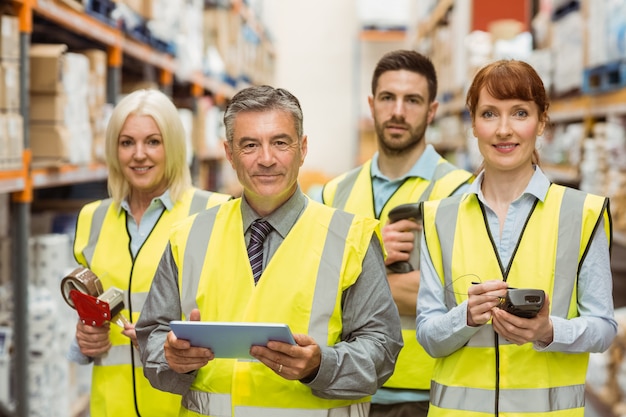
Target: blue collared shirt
138,235
442,332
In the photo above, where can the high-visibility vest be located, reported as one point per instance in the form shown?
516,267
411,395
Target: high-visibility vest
302,285
118,386
488,371
352,192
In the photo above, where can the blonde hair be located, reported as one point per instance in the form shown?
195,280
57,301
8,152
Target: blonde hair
157,105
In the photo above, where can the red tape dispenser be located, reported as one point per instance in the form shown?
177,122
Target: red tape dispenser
82,291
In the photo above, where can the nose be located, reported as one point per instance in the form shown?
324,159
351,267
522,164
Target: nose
504,128
398,108
266,155
139,151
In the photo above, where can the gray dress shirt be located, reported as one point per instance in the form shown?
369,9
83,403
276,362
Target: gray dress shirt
353,368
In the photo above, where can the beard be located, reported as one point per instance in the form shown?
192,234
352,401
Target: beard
395,145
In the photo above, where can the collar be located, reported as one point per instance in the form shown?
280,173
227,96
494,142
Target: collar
537,186
424,167
283,218
164,199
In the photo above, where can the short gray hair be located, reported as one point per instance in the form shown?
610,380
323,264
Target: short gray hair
262,98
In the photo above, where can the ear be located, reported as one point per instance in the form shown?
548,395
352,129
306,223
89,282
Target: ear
304,147
228,152
542,125
370,101
432,111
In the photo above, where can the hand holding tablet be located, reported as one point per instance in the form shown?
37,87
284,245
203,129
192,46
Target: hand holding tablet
231,339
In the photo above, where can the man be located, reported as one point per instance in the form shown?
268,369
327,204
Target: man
404,170
329,287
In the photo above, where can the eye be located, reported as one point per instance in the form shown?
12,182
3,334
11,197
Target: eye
281,144
125,143
413,100
487,114
154,142
386,97
248,147
521,114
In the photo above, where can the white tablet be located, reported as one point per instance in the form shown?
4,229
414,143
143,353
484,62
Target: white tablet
231,340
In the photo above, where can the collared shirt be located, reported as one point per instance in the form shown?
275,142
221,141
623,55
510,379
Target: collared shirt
383,187
139,233
442,332
346,368
281,220
138,236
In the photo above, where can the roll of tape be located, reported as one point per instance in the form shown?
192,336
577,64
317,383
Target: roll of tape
82,280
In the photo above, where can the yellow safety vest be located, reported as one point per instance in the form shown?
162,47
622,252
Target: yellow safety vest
489,372
303,291
118,386
352,192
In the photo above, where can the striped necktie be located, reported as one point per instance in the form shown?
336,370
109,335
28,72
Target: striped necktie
259,231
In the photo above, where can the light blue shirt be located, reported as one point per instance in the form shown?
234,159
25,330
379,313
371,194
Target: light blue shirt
383,188
138,235
441,331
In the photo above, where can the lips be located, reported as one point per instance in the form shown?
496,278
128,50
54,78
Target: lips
505,148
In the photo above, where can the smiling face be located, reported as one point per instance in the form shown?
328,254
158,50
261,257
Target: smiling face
507,131
401,111
141,156
267,154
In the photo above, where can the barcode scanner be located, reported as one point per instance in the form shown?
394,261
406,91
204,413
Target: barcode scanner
410,211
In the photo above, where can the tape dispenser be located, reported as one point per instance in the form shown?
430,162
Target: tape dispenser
82,290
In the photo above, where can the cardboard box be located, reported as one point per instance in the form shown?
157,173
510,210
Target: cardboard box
48,107
13,126
9,85
142,7
47,66
9,37
50,141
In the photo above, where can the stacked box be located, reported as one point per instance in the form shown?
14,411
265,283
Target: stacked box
568,53
11,128
96,97
59,120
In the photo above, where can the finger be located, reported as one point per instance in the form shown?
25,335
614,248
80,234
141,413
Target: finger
194,315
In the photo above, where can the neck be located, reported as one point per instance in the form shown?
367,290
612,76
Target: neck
394,165
502,188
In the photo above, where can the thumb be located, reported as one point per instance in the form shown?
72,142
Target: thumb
194,315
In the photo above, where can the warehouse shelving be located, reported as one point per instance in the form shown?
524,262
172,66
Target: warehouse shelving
21,184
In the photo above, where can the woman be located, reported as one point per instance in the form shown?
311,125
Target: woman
513,229
120,239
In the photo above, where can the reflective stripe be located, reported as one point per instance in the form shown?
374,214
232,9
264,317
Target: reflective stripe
566,268
96,225
219,405
510,401
137,299
448,213
408,322
216,405
441,170
199,201
194,256
344,188
354,410
118,355
326,288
